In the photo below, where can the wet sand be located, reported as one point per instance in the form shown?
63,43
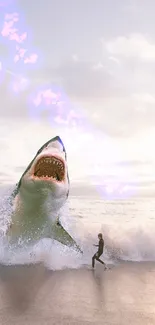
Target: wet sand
123,295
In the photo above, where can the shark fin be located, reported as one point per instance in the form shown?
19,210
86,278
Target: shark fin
60,234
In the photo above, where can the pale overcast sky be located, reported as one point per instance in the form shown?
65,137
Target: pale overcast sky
102,53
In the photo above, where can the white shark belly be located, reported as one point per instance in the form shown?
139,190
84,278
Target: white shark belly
30,226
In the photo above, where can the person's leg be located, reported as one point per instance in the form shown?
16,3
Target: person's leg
93,260
98,259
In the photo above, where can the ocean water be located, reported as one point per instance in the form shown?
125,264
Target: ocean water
127,224
67,290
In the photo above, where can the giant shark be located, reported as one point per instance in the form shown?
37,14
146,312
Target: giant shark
40,194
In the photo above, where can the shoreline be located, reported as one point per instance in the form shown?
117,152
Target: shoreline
124,294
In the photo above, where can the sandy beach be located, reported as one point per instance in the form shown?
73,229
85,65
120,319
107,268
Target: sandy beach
125,294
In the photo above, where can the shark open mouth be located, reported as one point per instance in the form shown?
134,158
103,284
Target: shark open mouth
50,167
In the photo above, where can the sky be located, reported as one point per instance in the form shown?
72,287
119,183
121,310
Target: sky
102,54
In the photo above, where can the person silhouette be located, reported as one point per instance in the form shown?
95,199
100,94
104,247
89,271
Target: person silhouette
99,252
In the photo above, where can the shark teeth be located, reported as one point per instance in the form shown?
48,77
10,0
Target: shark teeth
50,167
52,161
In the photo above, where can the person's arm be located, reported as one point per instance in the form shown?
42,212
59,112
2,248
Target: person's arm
97,245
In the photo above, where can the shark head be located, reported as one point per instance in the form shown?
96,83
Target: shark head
43,188
47,173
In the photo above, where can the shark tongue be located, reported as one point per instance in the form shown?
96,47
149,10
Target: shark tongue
46,170
50,167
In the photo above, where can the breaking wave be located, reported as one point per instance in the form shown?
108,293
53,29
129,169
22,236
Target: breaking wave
132,243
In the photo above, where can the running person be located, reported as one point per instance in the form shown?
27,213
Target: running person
99,252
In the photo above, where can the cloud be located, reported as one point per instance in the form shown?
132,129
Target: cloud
133,46
144,98
82,79
117,91
127,66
